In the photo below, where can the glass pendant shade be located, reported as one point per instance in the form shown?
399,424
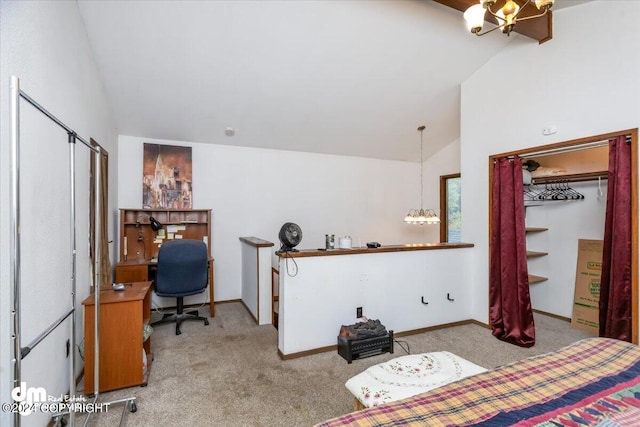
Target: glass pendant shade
540,4
506,16
421,217
510,8
543,3
508,12
474,17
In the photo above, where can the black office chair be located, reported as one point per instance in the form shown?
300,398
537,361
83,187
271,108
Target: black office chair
182,271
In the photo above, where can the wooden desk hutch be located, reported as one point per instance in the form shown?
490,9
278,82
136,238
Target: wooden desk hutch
139,243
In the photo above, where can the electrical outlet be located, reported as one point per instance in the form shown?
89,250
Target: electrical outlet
68,347
359,312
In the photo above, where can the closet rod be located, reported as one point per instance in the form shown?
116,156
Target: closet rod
24,351
15,239
571,148
562,150
56,120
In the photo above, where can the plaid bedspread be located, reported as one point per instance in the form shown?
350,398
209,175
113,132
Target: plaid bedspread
593,382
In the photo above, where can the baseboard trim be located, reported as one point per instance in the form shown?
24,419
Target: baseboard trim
479,323
395,335
249,311
555,316
307,352
437,327
227,301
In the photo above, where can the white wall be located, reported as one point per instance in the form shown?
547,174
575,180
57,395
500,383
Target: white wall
45,45
252,192
322,293
567,221
444,162
584,81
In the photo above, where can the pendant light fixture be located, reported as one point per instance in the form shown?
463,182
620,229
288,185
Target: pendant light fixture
506,17
421,216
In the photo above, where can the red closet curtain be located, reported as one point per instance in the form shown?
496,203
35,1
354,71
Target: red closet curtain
509,302
615,282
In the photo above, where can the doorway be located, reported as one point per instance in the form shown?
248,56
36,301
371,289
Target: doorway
552,288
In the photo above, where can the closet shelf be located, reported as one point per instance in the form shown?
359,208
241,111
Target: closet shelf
535,254
536,279
535,229
575,177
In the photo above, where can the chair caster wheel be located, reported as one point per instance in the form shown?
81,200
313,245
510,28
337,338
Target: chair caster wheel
134,408
206,322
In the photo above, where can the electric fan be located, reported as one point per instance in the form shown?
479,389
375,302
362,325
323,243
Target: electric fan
290,236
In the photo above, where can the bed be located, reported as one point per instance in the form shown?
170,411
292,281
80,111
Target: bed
593,382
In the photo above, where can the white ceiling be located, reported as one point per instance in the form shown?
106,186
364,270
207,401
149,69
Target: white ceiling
339,77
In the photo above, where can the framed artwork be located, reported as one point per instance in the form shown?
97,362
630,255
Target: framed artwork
166,177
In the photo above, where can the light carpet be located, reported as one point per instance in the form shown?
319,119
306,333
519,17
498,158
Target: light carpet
229,373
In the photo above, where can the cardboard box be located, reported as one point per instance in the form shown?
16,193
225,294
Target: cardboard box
587,288
586,319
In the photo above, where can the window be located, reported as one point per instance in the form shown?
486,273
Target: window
450,213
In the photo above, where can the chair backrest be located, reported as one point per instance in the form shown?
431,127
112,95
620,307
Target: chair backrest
182,268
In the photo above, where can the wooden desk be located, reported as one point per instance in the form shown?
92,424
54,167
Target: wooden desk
122,317
139,271
139,243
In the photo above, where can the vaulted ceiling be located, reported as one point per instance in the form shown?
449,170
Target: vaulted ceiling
337,77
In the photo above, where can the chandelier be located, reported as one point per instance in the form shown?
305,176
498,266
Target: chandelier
507,16
421,216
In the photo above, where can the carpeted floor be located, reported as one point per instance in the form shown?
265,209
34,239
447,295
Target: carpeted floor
229,373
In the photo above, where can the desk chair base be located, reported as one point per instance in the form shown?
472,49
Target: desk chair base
180,317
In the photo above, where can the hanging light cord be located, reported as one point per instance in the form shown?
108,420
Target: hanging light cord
421,169
421,216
